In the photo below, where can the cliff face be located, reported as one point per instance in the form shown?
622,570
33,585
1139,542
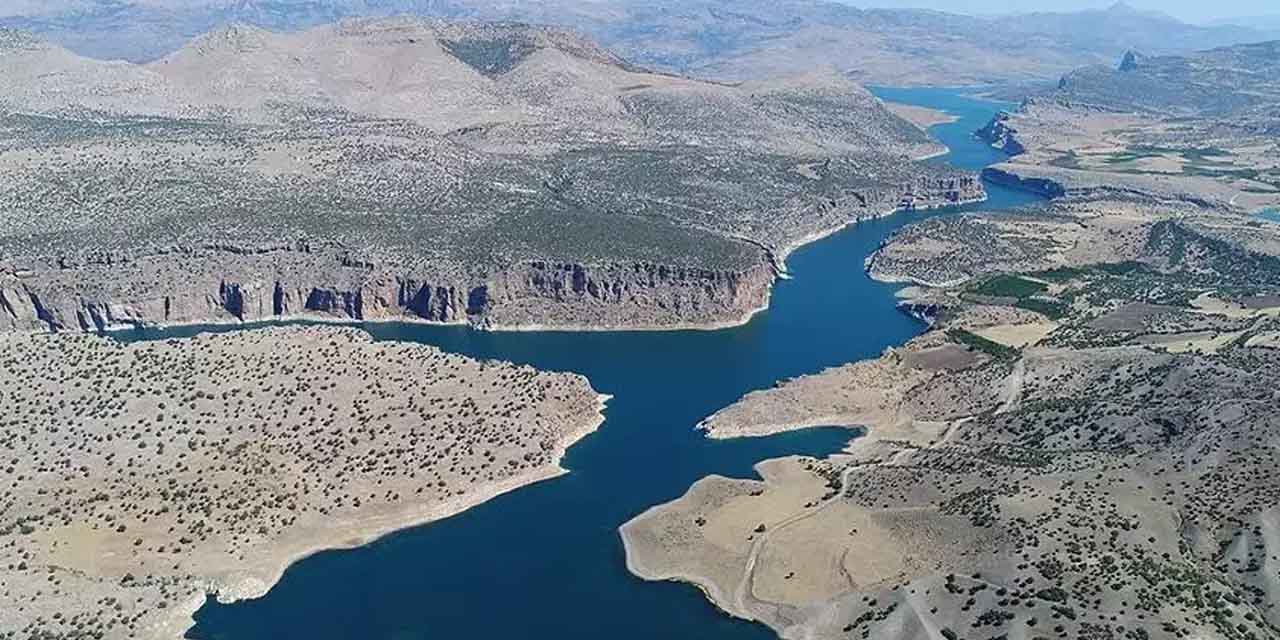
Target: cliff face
1001,135
620,295
246,286
932,192
1054,182
1042,186
227,282
922,192
926,312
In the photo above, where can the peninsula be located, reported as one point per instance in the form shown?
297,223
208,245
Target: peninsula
1080,448
141,477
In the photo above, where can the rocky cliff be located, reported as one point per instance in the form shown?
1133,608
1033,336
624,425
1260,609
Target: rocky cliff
931,192
1054,182
1001,135
229,284
691,278
620,295
1006,177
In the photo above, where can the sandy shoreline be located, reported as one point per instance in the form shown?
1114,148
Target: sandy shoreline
766,430
910,280
308,318
938,154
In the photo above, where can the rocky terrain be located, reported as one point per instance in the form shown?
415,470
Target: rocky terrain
708,38
140,477
1198,128
1064,233
501,175
1081,446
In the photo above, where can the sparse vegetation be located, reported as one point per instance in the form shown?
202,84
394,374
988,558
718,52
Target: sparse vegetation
141,475
1065,475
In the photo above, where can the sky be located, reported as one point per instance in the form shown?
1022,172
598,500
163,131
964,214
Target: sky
1187,10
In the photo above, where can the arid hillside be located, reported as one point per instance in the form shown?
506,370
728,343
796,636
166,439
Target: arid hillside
456,172
142,477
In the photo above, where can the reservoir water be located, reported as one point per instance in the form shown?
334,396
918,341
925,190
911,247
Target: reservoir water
546,561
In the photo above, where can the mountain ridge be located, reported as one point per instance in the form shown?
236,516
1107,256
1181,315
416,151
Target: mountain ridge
705,37
1220,81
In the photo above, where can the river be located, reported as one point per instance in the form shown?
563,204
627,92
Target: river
546,561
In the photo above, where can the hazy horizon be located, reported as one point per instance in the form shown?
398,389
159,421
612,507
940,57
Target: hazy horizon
1187,10
1194,11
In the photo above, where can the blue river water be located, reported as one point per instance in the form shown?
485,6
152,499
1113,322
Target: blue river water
546,561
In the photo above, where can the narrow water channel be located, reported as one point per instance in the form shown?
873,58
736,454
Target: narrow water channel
546,561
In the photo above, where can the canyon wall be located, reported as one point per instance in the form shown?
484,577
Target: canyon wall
230,281
213,284
1000,134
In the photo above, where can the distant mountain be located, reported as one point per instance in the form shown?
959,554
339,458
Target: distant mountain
521,84
1270,23
734,39
1225,81
39,77
1123,27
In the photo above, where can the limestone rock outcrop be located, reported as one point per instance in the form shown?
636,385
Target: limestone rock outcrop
1002,135
248,286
